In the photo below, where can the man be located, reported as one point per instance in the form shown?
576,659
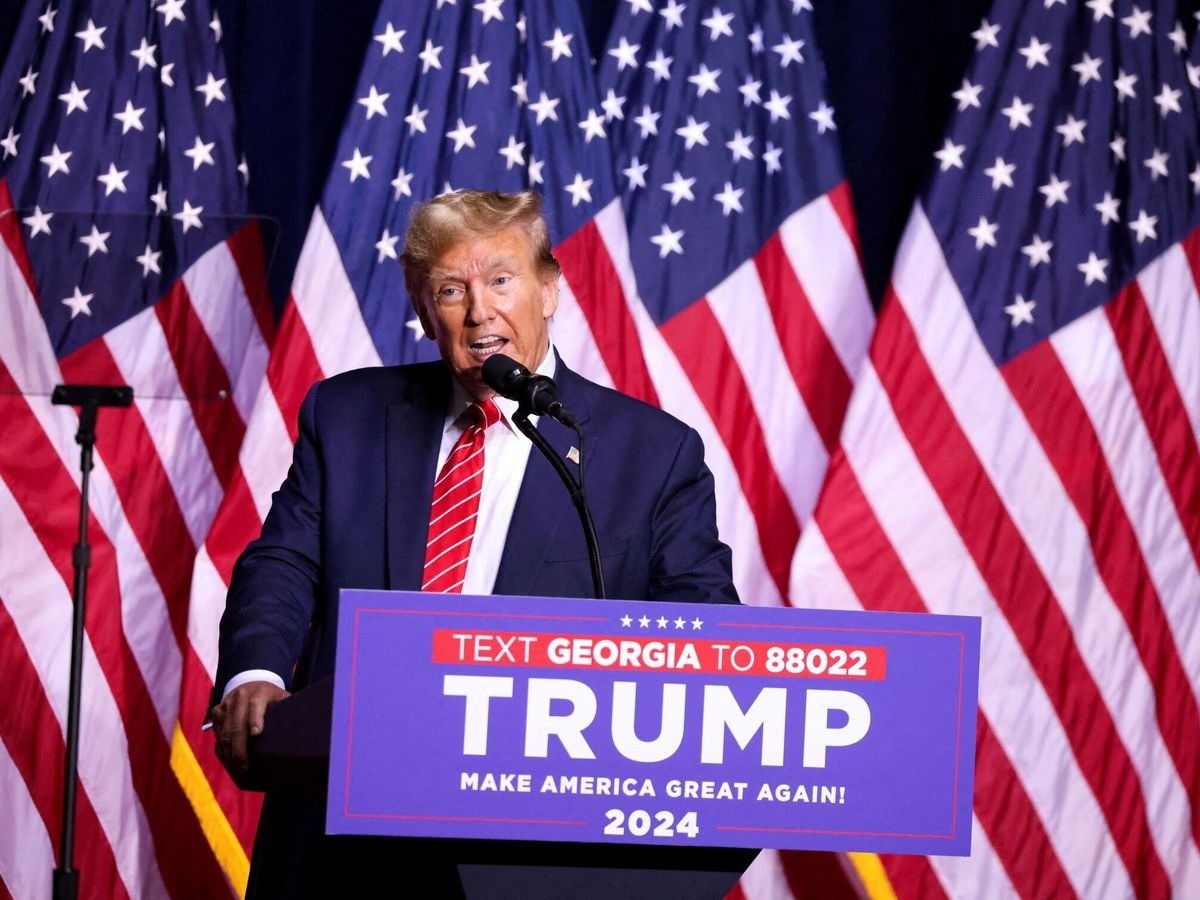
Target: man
355,510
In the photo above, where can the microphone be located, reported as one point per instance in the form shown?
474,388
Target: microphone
535,393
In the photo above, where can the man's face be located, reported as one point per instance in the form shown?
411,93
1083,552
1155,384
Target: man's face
486,296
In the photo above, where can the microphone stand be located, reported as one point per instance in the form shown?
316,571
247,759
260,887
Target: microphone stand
89,399
521,420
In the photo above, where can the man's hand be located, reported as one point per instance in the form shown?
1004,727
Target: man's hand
239,717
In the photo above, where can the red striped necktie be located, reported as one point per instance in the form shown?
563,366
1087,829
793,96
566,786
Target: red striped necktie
456,505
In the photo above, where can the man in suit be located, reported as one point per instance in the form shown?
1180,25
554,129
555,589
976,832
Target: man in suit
354,510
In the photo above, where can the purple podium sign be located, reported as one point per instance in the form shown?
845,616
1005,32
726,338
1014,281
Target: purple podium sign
529,718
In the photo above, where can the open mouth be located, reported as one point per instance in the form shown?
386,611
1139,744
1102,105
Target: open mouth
487,346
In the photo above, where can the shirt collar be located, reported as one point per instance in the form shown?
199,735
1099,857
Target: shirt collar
460,399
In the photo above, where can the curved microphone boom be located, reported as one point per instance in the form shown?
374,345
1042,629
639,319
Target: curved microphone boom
536,394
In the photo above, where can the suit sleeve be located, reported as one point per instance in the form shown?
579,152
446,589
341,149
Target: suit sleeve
273,593
689,563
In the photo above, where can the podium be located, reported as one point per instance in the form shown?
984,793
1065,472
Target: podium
291,758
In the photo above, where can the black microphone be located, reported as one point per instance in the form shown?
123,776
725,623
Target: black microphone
535,393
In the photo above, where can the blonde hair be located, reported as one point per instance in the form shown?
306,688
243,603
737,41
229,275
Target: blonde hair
444,221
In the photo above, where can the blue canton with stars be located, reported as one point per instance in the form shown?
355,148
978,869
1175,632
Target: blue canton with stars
1072,162
494,94
722,130
117,147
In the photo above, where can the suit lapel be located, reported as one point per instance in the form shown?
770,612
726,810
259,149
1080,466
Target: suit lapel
413,434
543,504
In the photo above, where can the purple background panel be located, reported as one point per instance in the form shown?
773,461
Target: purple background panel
401,763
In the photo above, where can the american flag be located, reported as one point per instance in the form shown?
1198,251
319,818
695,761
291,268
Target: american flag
127,257
1022,446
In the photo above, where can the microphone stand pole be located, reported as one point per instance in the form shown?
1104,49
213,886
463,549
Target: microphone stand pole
575,488
89,399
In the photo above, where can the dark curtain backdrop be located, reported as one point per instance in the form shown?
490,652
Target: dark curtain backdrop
293,63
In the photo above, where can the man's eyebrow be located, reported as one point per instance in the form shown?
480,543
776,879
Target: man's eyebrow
504,261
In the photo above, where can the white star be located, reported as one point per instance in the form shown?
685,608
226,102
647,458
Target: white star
390,39
113,180
639,6
823,116
130,118
985,35
91,36
243,168
521,25
1055,191
593,126
648,121
490,9
1117,145
668,242
950,156
559,45
513,152
718,24
625,54
705,80
149,261
777,106
1100,9
386,245
1020,310
1168,100
374,103
693,133
1088,69
662,622
613,106
1018,113
789,51
416,119
172,11
739,146
28,82
580,190
1035,53
749,91
1194,178
1144,226
1124,84
1138,22
403,184
535,170
1157,164
521,89
545,108
1038,251
189,216
357,166
74,98
967,95
431,57
96,241
1001,174
644,621
201,153
730,199
38,222
1049,3
47,20
212,89
164,74
984,233
680,188
755,37
9,143
626,621
56,161
1093,269
697,623
78,303
1071,130
145,55
159,199
680,622
1193,74
660,66
1179,38
771,156
476,72
215,25
414,325
672,14
462,135
636,173
1108,209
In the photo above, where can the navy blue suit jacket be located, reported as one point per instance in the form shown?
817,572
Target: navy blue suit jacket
353,512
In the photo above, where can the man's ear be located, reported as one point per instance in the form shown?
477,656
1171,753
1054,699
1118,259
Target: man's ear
549,296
